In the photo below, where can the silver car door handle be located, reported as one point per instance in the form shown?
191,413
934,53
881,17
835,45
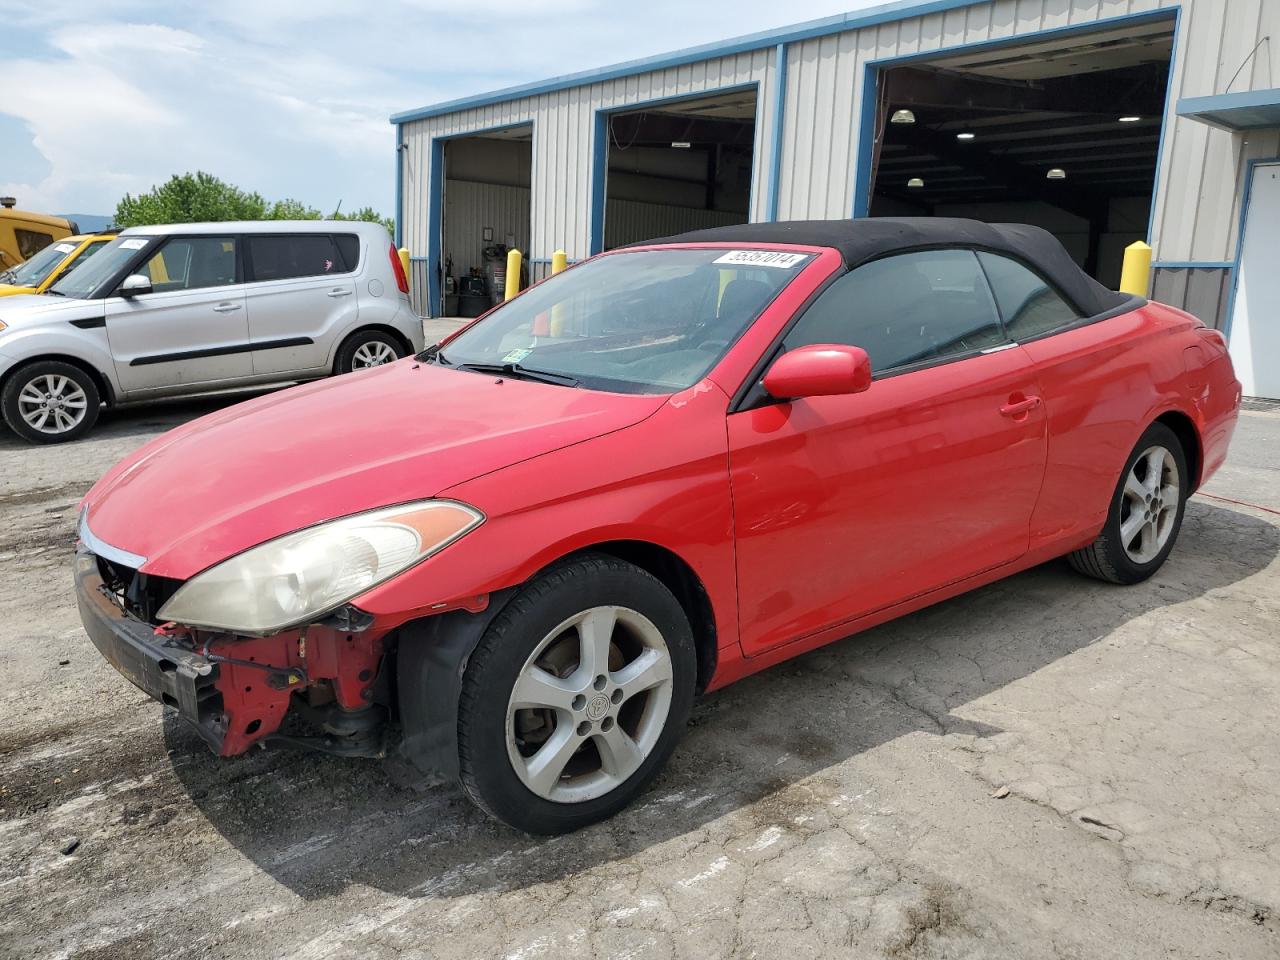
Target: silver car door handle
338,292
226,307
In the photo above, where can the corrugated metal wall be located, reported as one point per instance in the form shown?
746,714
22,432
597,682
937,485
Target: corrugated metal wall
563,130
1201,170
631,221
470,207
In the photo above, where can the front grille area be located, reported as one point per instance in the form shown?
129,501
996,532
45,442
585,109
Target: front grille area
137,594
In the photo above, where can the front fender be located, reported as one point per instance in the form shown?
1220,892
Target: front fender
89,347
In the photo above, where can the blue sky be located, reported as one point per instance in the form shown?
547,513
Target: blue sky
286,97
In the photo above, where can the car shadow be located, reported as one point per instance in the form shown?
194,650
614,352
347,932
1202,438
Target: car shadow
318,824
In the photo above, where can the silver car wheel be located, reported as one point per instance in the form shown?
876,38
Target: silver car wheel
1149,504
589,704
52,404
372,354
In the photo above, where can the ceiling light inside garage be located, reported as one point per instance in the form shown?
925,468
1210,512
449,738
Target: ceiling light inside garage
680,144
902,116
1056,173
965,136
1130,119
915,183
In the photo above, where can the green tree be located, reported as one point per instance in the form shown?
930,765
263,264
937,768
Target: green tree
202,198
190,198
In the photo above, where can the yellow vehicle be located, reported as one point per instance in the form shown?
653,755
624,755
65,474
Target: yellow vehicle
51,264
23,234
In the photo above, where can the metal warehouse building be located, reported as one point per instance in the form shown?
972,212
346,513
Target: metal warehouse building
1105,121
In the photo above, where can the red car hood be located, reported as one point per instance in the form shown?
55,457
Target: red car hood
406,431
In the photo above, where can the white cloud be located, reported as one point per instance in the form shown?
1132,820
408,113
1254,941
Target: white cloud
291,97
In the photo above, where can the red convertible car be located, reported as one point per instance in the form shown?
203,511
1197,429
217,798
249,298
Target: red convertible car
515,558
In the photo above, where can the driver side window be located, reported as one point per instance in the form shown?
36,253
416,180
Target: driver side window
906,309
192,263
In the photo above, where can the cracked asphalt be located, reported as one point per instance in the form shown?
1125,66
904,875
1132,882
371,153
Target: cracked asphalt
1046,767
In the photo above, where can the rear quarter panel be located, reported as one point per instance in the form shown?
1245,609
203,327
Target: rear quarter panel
1103,385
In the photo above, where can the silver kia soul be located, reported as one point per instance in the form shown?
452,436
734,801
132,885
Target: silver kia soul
192,308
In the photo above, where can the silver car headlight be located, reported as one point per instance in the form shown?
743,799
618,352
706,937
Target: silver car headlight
303,576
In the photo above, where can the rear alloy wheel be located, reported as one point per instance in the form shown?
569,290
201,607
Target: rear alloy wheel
368,348
576,696
50,402
1146,512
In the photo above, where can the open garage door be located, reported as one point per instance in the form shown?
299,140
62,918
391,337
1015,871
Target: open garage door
1060,133
487,203
679,166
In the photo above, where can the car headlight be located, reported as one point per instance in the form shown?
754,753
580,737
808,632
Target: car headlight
303,576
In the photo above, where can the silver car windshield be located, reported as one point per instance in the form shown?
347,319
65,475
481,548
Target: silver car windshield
644,321
88,279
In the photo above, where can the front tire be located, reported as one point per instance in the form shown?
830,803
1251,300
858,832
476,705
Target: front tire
1145,515
50,402
576,696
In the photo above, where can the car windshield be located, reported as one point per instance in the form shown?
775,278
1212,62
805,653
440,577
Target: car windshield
86,280
644,321
37,269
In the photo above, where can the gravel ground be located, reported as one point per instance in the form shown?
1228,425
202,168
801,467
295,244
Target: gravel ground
1046,767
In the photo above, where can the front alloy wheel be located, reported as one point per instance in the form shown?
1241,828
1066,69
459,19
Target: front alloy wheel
575,696
50,402
589,705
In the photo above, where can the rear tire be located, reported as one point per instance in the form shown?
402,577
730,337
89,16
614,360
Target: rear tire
575,697
50,401
1145,514
368,348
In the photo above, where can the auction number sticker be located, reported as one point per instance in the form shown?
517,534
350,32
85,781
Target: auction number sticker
132,244
763,258
64,247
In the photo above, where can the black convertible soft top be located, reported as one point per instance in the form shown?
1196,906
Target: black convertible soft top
870,238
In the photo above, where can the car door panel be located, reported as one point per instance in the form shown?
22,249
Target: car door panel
180,338
847,504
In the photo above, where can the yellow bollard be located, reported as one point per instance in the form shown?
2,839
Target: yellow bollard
1135,275
513,274
559,260
404,262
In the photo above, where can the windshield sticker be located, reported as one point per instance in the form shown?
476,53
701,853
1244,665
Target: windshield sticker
762,258
63,247
132,244
515,356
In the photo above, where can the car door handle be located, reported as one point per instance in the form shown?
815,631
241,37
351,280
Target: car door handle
338,292
226,307
1020,408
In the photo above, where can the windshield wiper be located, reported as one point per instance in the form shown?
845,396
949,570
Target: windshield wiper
520,373
55,293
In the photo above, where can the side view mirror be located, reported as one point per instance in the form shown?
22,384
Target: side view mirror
134,285
819,370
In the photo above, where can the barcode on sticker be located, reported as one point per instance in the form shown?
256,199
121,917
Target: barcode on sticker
763,258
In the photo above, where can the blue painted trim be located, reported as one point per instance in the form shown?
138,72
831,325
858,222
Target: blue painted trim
435,227
435,207
779,123
1244,221
884,13
1192,264
1216,110
870,84
600,151
399,188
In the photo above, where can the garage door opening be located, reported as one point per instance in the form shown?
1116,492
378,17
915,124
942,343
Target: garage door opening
1060,133
679,166
486,212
